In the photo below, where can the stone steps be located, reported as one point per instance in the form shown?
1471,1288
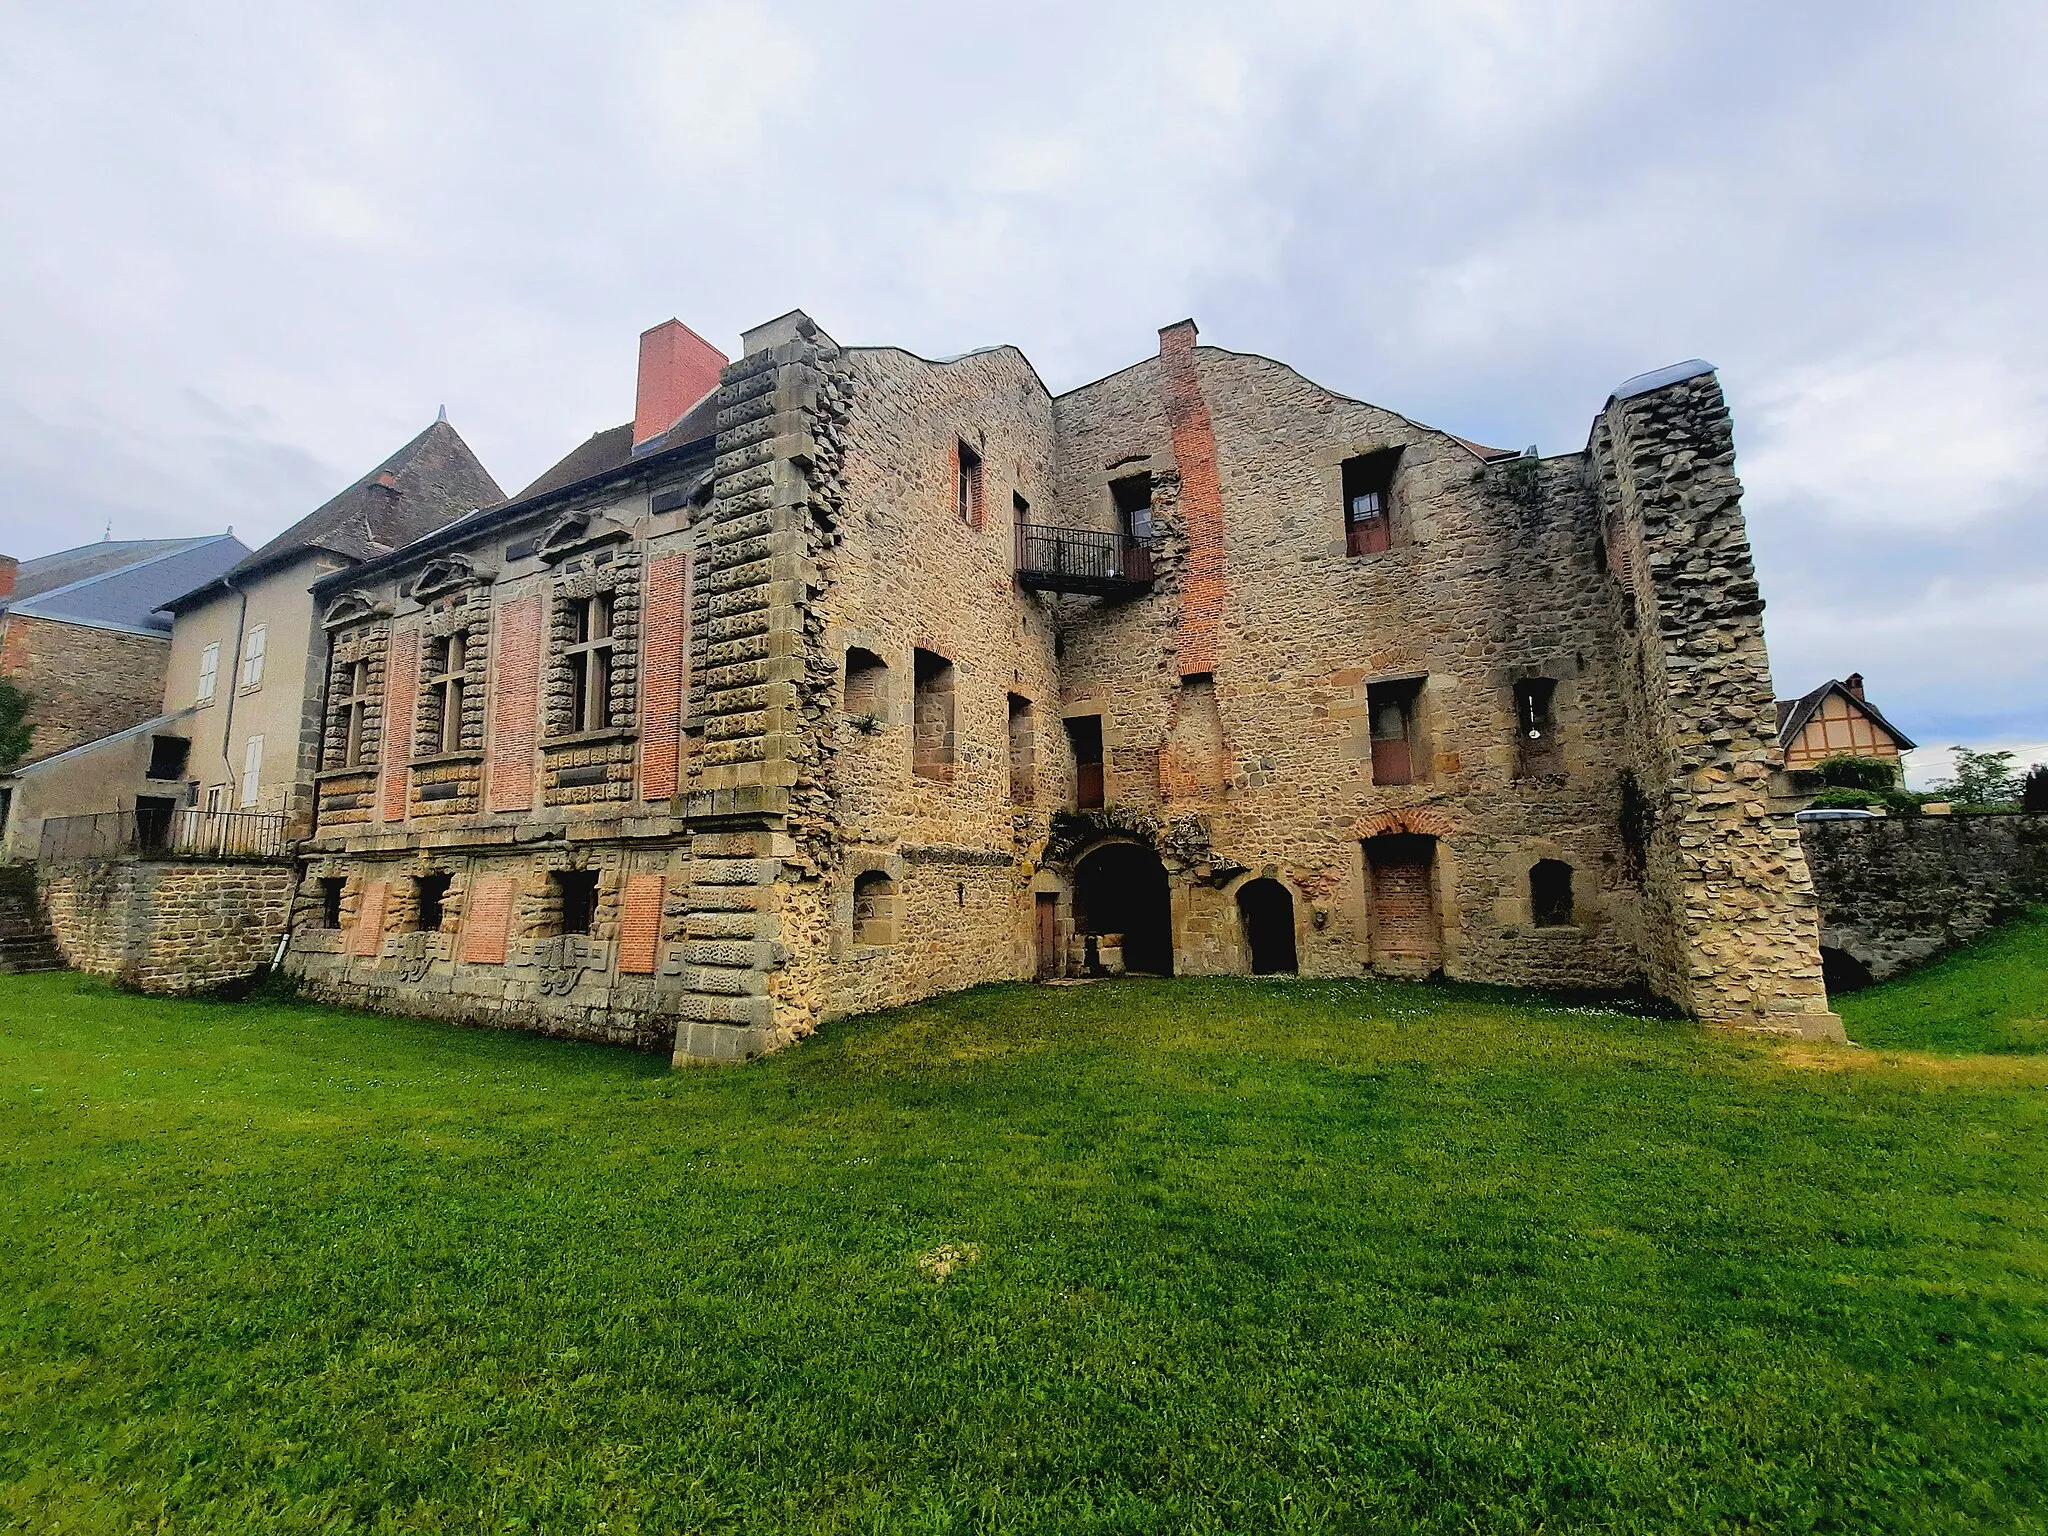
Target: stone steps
26,943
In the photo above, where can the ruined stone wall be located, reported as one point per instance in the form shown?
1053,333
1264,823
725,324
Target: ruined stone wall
908,574
1491,578
167,927
1897,891
1731,930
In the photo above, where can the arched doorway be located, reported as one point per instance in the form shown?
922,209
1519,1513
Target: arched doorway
1842,972
1402,870
1266,908
1120,888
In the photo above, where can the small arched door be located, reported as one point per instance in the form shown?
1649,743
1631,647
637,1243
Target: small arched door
1266,908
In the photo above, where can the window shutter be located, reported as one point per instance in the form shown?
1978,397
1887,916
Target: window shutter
209,669
252,770
252,656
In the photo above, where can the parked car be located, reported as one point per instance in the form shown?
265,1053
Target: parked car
1836,813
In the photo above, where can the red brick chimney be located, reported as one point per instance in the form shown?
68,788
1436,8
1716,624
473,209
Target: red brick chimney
8,566
1854,683
677,369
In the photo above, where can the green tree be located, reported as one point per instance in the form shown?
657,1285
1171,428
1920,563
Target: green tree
14,726
1981,778
1855,773
2034,790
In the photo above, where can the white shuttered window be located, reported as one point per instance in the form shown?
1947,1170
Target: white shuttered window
252,655
209,669
252,771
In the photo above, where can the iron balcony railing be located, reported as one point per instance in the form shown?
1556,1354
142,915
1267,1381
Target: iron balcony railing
168,833
1081,560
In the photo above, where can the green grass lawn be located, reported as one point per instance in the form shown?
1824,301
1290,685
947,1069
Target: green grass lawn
1229,1255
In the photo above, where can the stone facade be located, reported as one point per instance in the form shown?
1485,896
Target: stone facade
86,681
167,927
798,717
1896,891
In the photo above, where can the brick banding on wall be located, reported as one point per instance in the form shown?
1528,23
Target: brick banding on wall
662,680
640,924
368,939
515,720
1201,500
403,677
487,924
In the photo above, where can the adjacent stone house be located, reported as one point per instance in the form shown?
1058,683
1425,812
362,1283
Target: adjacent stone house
841,677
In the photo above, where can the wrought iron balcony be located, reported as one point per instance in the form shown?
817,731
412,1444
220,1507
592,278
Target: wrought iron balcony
1082,560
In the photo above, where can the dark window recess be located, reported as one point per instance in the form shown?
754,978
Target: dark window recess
1391,708
668,500
430,893
1019,507
153,815
1550,893
448,789
331,888
931,741
1132,497
867,678
874,909
583,774
1369,502
590,664
576,890
1536,751
523,549
167,756
1023,752
1084,732
967,486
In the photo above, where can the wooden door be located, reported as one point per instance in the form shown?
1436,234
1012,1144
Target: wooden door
1404,926
1048,933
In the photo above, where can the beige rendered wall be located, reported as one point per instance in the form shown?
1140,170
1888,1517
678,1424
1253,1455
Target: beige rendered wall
279,708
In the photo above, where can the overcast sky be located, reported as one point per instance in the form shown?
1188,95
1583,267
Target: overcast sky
247,250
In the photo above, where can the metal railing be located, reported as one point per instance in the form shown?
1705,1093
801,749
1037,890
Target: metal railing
1082,557
171,833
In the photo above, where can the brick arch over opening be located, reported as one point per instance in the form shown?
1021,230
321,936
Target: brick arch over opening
1424,820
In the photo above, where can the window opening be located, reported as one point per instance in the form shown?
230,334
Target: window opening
1132,496
967,486
355,706
1084,732
932,742
867,676
1550,893
874,909
168,756
590,664
1368,502
446,686
331,888
253,646
1536,750
576,890
209,672
430,894
1023,752
153,814
1392,710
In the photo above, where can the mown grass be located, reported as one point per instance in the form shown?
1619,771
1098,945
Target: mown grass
1246,1256
1990,997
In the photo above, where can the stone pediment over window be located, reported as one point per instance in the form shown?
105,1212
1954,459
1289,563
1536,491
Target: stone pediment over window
353,608
574,532
448,573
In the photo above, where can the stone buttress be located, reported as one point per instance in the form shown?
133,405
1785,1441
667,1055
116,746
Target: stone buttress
757,805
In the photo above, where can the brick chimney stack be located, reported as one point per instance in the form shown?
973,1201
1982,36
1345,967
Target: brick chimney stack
677,369
8,566
1854,683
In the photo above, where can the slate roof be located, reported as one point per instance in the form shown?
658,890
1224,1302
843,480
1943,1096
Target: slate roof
120,584
603,452
432,480
1794,713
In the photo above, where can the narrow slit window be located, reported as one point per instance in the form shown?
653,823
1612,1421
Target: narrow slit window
1023,752
331,888
1084,733
1536,749
967,485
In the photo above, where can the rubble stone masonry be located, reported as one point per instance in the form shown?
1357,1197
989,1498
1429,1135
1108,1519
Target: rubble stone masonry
1527,742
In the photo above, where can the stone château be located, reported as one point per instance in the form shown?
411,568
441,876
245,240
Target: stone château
842,677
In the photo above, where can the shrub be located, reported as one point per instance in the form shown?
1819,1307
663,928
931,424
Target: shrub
14,727
1848,800
1856,773
2034,790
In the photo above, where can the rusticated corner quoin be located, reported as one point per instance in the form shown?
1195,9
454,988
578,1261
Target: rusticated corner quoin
756,802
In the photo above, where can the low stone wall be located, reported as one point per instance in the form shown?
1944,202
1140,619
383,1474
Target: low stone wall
1900,890
167,926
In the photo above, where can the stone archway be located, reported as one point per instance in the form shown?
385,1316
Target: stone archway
1120,889
1266,909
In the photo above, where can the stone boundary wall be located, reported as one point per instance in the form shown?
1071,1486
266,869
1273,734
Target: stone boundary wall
1898,891
167,927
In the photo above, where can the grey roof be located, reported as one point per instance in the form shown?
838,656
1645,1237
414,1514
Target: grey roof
432,480
603,452
126,586
1657,378
1794,713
